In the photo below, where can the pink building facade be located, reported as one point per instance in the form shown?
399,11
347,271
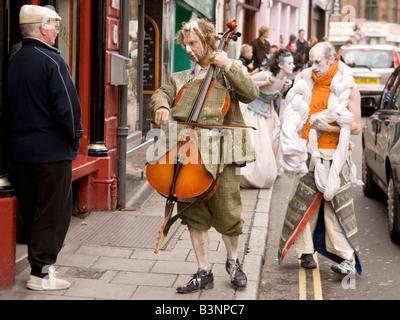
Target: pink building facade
282,18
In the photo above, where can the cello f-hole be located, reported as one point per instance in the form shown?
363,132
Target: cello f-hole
177,168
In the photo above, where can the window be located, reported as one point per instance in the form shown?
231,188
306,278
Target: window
370,58
371,10
389,94
67,38
133,106
395,99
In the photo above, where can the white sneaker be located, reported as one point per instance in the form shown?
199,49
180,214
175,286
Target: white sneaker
49,282
344,268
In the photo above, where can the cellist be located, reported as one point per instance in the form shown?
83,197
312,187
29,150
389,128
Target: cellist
223,210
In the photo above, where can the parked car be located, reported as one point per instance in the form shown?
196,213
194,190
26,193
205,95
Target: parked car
372,65
381,152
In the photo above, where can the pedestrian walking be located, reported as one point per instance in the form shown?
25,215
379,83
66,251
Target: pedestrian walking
292,39
273,50
261,48
303,48
297,60
281,44
324,106
311,43
223,210
44,136
298,64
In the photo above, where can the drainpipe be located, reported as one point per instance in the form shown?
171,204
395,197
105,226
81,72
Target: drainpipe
232,44
123,106
113,188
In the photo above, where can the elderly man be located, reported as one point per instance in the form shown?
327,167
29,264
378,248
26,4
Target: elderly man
322,110
44,135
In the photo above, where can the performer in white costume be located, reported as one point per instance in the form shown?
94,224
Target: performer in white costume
322,110
261,114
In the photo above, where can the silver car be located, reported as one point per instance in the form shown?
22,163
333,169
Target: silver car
372,65
381,153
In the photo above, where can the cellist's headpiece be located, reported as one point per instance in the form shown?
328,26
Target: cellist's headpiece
202,29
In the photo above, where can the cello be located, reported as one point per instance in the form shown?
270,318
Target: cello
180,175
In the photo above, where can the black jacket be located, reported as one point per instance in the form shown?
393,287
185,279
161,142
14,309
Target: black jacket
246,63
298,61
43,105
303,49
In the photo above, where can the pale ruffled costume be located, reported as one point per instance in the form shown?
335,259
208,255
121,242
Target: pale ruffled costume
294,149
261,114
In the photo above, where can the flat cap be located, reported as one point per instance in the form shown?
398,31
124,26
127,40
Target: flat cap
36,14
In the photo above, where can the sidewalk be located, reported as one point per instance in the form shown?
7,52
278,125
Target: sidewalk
110,255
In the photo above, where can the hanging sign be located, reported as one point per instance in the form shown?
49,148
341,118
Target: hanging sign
336,8
150,55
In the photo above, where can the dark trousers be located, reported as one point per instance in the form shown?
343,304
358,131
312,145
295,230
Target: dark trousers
44,207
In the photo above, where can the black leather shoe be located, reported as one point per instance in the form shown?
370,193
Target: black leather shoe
238,277
201,280
307,261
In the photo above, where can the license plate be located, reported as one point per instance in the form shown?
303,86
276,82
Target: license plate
366,80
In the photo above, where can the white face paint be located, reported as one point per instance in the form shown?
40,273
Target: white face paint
318,61
194,48
194,45
287,66
191,54
193,25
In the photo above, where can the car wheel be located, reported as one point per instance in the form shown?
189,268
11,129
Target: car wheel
393,211
369,188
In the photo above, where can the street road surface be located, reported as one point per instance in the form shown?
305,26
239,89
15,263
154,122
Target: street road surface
380,257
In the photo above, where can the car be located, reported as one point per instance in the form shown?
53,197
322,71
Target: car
372,65
381,152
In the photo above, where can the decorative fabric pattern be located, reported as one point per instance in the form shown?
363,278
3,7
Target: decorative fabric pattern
303,204
262,104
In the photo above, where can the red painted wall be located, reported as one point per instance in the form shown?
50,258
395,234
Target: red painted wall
8,234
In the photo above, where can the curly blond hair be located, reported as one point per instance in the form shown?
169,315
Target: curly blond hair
204,30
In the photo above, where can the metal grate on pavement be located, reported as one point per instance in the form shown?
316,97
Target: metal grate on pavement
119,230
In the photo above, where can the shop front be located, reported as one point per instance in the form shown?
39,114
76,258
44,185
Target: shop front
92,42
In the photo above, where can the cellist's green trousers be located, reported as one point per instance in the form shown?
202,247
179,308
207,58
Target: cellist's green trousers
223,210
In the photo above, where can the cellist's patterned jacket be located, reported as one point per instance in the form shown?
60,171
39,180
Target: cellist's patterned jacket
237,147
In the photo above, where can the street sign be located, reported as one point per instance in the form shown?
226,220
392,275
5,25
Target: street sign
359,23
336,8
359,35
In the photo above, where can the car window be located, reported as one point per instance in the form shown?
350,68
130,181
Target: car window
387,92
372,58
395,97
